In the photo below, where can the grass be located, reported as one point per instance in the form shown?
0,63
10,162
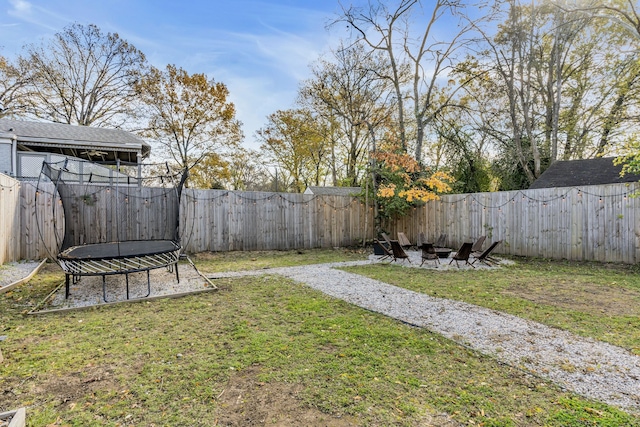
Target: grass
595,300
180,361
215,262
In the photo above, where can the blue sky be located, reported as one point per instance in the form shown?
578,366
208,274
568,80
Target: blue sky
259,49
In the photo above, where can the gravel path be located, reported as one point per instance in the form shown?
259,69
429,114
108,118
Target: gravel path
587,367
590,368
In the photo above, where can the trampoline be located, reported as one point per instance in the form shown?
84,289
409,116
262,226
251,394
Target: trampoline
101,206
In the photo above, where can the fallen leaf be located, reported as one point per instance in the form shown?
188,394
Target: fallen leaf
593,411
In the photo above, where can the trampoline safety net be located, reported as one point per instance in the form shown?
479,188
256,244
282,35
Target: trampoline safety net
117,219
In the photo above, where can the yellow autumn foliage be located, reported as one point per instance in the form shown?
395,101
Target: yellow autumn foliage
418,194
438,182
387,190
406,183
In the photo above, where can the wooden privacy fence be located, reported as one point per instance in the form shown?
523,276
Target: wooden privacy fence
40,212
594,223
215,220
599,223
9,219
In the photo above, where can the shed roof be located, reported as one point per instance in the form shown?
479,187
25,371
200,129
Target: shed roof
75,140
573,173
333,191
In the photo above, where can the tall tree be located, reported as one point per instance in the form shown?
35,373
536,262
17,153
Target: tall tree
210,172
625,14
377,26
246,171
419,58
85,77
188,115
349,95
294,142
553,88
514,65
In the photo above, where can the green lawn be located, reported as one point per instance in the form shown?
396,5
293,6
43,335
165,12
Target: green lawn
267,351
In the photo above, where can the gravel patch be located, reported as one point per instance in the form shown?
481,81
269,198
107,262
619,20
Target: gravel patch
12,272
88,291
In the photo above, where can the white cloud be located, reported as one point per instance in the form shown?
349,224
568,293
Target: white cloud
259,49
20,8
26,12
262,71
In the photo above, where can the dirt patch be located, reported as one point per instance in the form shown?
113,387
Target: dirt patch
586,297
63,390
71,387
246,401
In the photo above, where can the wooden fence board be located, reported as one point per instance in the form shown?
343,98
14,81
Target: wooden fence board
9,218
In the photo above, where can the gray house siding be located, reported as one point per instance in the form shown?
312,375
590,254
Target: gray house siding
5,159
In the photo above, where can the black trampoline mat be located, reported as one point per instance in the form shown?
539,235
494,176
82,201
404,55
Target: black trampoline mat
114,250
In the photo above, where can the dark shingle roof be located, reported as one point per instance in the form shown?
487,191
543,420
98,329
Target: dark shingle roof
333,191
573,173
41,132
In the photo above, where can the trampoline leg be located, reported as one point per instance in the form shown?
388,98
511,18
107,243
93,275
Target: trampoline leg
126,278
66,286
104,288
177,275
148,285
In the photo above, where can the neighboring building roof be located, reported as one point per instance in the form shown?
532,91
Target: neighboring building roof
573,173
333,191
92,143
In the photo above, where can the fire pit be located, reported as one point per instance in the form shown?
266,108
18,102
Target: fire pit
443,252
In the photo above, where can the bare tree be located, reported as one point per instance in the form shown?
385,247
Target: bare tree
247,172
348,93
83,76
385,24
418,65
14,94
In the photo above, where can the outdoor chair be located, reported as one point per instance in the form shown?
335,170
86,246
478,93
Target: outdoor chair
476,249
463,254
485,258
429,254
441,242
398,252
382,250
403,240
386,238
